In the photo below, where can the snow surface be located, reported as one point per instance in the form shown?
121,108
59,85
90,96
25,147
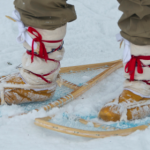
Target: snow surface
89,39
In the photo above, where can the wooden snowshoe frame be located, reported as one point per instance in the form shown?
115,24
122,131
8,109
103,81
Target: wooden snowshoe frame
79,90
45,122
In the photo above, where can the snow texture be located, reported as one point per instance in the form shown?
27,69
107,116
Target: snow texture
89,39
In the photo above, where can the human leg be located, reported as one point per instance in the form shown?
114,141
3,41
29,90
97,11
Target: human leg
43,28
134,102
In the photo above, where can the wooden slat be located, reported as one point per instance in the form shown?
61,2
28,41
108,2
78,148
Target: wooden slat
11,18
70,85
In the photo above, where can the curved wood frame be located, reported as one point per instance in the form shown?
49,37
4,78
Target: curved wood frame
44,122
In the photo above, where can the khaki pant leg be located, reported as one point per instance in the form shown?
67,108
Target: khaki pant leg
135,21
45,14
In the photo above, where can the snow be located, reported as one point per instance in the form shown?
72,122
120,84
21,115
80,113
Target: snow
89,39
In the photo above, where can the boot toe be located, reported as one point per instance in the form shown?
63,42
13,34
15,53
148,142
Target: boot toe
109,113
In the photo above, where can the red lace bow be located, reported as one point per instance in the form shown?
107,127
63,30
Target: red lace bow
42,50
133,63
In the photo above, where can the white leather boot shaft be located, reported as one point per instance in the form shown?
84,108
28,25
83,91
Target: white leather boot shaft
40,66
51,35
140,51
139,87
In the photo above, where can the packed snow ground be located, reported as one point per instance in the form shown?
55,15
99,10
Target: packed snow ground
89,39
